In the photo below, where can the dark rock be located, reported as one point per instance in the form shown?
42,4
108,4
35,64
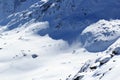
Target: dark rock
34,55
1,48
24,54
76,78
104,60
116,51
94,67
79,77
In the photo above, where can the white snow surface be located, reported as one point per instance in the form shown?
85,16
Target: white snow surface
56,60
59,39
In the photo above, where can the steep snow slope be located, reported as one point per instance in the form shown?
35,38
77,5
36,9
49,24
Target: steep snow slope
101,35
27,56
42,39
105,67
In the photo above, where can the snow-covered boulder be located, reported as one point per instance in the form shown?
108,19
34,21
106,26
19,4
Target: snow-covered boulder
99,36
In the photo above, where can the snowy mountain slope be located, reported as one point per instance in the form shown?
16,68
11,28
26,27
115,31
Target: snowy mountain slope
54,59
50,39
18,46
105,67
65,16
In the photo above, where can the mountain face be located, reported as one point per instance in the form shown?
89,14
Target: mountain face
67,18
12,6
52,39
